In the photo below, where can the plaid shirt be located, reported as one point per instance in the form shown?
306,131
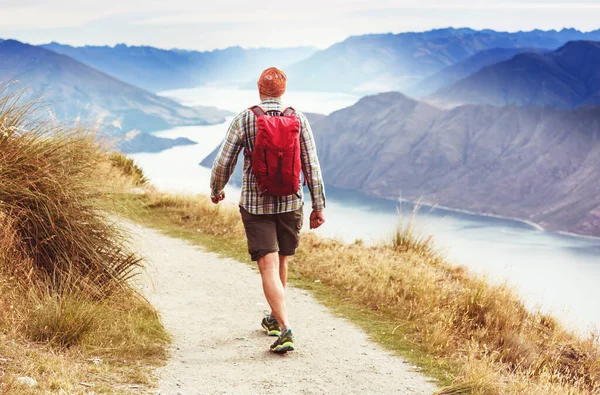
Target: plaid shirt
243,132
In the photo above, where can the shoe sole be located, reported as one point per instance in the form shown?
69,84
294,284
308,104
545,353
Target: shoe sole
283,348
271,333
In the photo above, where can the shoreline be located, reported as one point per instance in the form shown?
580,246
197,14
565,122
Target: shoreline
577,235
433,207
531,224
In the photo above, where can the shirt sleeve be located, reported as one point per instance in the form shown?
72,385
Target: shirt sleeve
311,167
226,159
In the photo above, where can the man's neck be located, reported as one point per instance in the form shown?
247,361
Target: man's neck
263,98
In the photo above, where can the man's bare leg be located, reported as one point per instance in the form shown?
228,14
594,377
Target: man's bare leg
283,269
273,286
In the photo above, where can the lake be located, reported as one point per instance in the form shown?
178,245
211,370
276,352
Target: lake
553,272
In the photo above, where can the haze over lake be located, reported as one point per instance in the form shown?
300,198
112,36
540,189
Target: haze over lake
557,273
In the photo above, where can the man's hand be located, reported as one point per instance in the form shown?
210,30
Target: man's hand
316,219
216,199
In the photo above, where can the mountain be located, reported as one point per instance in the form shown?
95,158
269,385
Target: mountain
465,68
537,164
376,62
566,78
74,91
157,69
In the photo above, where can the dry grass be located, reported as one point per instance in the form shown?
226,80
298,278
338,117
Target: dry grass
49,191
408,238
479,335
128,168
64,269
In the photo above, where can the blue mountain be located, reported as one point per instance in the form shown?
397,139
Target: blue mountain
382,62
157,69
566,78
465,68
73,91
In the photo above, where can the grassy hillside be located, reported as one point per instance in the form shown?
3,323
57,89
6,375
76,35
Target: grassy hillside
70,317
474,337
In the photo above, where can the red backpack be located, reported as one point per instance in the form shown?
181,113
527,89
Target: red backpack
276,160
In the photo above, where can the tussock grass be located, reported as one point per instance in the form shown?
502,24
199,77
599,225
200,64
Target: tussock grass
49,190
128,168
475,337
60,319
65,270
408,238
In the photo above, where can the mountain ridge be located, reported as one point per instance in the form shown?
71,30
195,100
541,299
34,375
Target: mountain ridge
568,77
74,91
157,69
376,62
467,67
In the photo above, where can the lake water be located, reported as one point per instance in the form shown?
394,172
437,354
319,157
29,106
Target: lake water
553,272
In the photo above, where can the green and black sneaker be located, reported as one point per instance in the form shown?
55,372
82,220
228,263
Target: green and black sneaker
271,326
284,343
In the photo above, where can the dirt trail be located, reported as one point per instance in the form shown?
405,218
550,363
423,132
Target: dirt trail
213,307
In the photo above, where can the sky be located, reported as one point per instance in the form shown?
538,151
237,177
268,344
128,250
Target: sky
207,25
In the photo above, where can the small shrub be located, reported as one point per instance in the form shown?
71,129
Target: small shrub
61,320
406,238
128,167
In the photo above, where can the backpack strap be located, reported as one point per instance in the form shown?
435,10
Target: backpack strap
258,111
289,112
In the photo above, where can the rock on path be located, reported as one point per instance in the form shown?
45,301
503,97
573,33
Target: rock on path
213,306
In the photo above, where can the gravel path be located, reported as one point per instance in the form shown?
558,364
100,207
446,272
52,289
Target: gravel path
213,307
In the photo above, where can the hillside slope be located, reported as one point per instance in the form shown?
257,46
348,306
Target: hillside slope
532,163
73,91
566,78
76,91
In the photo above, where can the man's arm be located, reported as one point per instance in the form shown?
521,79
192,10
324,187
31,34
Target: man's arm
311,167
226,159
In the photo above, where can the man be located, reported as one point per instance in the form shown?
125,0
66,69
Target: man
272,223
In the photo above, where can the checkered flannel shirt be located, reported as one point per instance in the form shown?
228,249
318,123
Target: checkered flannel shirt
243,132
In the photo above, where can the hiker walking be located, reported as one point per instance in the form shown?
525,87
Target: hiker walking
278,145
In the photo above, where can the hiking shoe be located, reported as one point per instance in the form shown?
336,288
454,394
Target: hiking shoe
284,343
271,326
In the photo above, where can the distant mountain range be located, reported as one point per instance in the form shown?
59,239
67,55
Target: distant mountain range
465,68
566,78
533,163
74,91
417,64
380,62
157,69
